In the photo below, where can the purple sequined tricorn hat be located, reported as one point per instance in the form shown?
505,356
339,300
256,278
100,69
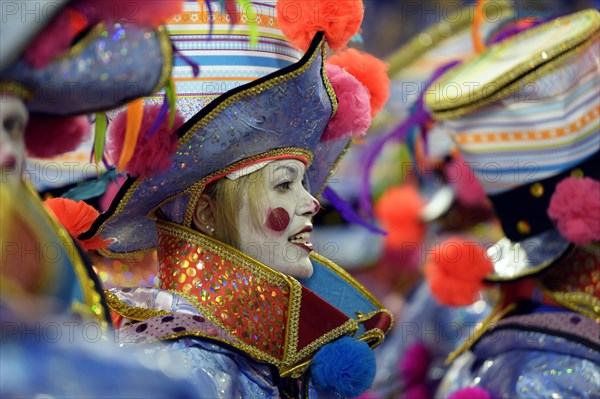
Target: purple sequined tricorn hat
282,115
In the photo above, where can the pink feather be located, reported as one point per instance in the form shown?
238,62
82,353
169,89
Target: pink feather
48,136
353,116
151,156
575,209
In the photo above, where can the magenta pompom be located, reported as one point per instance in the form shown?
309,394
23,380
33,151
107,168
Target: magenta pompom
575,209
49,136
414,364
353,116
470,393
416,392
151,156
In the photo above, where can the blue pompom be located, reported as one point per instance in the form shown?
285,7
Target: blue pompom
345,366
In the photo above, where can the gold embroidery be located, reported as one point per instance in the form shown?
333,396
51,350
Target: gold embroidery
131,312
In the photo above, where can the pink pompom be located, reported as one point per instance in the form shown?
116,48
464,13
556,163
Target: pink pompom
49,136
414,364
455,271
419,391
55,39
470,393
151,156
353,116
370,71
575,209
300,20
150,14
468,190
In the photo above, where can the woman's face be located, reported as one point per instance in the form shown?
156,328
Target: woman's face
281,239
14,116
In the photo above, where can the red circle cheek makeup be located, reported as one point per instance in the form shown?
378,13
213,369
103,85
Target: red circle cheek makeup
278,219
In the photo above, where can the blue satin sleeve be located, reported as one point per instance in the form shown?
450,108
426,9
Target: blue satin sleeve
218,372
526,374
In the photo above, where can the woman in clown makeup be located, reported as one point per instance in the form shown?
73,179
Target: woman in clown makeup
242,293
266,214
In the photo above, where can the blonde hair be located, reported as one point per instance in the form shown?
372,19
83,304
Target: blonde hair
227,195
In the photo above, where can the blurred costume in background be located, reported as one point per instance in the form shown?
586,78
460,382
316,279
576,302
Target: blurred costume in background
526,118
55,336
432,196
255,312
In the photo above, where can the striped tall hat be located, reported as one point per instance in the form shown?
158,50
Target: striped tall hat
525,115
224,50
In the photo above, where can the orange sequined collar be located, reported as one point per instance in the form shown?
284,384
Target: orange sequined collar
271,316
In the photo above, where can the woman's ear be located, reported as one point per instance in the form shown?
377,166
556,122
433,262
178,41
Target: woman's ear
204,215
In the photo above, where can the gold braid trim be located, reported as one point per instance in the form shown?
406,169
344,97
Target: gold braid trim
83,43
352,281
510,87
93,300
580,302
481,329
15,89
196,190
131,312
167,51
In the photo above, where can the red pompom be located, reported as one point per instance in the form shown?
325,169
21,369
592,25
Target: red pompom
455,271
370,71
77,217
575,209
399,211
49,136
151,156
353,116
300,20
150,14
414,365
470,393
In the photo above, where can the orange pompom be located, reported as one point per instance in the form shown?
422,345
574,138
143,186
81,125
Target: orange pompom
370,71
77,217
399,211
455,271
300,20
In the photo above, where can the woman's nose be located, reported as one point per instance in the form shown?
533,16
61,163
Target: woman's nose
310,206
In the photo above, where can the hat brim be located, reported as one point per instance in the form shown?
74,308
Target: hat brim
281,115
514,260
